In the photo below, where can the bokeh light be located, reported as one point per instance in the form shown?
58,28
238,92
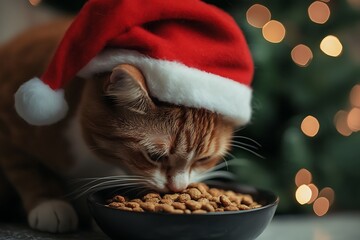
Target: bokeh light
273,31
303,177
328,193
314,193
354,3
319,12
355,96
353,119
331,46
321,206
302,55
341,124
34,2
303,194
310,126
257,15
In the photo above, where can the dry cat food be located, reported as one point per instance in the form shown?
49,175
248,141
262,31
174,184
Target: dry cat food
197,198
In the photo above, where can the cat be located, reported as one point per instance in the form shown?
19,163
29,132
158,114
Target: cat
113,127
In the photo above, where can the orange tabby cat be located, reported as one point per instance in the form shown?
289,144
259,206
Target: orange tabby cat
113,125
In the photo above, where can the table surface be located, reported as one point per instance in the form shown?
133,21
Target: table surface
299,227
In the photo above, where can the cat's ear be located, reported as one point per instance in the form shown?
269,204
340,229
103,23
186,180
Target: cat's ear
127,87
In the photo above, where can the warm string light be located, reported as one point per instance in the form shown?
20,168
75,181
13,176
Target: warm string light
303,176
301,55
257,15
353,119
314,193
348,122
319,12
303,194
274,31
308,193
310,126
354,3
35,2
341,125
321,206
331,46
355,96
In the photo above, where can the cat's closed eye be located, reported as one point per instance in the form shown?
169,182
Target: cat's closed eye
204,159
156,157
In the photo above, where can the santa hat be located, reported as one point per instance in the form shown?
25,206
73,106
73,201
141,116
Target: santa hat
191,53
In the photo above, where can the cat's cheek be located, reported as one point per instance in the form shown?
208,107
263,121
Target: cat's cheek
158,180
196,173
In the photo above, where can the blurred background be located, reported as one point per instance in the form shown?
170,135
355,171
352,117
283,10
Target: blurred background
306,96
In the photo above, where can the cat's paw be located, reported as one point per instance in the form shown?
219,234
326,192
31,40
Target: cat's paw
53,216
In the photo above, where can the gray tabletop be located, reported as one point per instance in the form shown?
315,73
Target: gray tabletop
299,227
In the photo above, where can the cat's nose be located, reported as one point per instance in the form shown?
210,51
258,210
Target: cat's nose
175,187
177,182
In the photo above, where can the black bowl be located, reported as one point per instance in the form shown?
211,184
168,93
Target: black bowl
239,225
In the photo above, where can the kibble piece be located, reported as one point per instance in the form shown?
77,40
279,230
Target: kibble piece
173,197
200,211
125,208
177,211
230,193
214,204
203,200
214,192
119,198
194,193
138,209
132,205
231,208
219,210
137,200
166,201
193,205
208,207
116,204
179,205
184,197
243,207
153,200
187,211
255,206
225,201
164,208
235,199
151,195
147,206
247,199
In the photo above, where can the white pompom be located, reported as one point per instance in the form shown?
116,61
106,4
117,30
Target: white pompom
40,105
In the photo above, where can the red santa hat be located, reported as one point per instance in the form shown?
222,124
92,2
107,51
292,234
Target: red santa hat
191,53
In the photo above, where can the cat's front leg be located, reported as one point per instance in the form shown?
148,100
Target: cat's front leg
40,191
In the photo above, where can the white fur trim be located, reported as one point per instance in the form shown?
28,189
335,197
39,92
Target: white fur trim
176,83
38,104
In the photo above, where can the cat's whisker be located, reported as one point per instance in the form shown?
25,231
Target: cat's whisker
104,186
231,162
106,179
85,189
247,138
231,155
249,150
226,163
244,144
216,174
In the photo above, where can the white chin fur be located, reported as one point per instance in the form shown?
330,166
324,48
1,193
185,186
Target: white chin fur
40,105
